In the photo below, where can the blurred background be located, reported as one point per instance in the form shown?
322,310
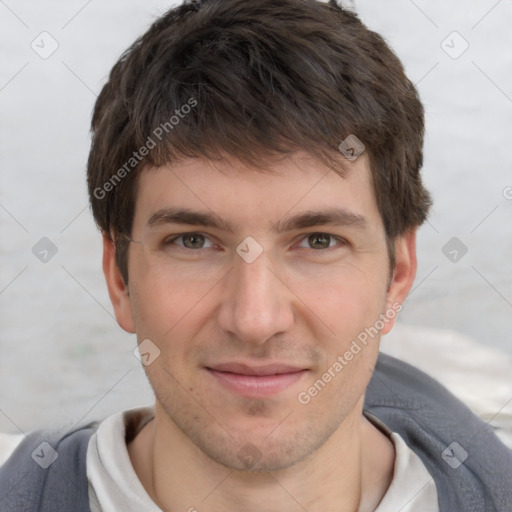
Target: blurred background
63,358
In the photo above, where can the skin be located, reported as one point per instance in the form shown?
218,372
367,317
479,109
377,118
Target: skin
301,302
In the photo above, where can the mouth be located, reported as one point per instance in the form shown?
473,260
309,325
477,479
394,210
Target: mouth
256,381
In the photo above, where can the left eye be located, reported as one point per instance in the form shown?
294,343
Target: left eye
320,241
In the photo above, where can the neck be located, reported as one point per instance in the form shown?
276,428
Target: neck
349,473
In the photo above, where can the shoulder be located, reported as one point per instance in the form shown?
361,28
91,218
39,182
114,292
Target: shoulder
478,375
407,399
46,471
467,461
397,387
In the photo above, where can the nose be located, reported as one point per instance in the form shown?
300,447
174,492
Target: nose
256,304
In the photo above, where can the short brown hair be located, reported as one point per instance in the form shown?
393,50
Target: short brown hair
247,78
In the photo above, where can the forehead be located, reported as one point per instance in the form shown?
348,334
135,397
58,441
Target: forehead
257,196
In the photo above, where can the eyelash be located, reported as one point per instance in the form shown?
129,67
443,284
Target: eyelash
341,241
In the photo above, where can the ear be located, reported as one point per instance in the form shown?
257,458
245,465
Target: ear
117,289
403,275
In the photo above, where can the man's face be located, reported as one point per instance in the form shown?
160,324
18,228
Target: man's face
246,326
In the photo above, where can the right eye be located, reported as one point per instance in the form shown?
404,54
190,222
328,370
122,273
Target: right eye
188,241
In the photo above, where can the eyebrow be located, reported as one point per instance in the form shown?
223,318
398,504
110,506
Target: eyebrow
306,219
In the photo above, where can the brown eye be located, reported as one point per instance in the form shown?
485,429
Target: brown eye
322,242
188,241
193,240
319,241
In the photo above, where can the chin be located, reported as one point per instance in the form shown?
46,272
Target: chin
259,458
261,450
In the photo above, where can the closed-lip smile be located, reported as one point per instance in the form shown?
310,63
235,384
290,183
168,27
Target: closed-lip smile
256,380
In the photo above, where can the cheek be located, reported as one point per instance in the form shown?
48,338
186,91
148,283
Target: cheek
345,300
172,313
350,303
167,313
162,300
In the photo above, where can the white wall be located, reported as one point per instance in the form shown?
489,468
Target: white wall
63,357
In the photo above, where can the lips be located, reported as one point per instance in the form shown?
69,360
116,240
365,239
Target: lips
243,369
256,381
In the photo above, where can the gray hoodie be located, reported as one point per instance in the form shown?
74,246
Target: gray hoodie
471,467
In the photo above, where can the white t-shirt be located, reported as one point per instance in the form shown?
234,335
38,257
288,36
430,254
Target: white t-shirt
114,485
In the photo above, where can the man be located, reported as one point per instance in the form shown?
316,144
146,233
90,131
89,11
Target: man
254,171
